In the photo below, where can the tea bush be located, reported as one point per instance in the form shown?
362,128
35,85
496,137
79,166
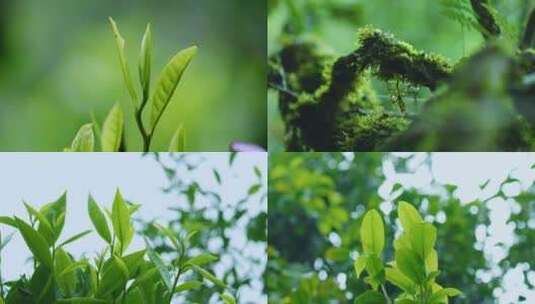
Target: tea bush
115,275
415,267
111,132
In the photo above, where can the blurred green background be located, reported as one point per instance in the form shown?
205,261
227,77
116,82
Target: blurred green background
333,24
59,63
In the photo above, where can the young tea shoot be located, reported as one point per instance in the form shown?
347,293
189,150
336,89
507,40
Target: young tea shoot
110,137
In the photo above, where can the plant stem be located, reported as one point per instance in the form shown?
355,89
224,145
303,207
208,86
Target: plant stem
146,136
385,293
174,285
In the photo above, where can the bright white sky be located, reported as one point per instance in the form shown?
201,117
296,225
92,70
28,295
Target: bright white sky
39,178
469,171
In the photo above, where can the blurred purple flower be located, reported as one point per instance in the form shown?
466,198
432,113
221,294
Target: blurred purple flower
238,146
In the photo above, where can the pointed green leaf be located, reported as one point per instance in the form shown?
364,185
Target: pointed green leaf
169,79
372,233
188,286
67,280
121,221
158,262
84,141
112,130
75,238
422,237
228,298
8,221
410,264
45,229
145,59
360,264
394,276
55,213
36,243
122,59
114,277
207,275
98,219
408,215
370,297
202,259
178,142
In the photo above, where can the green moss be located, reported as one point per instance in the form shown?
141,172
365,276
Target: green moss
392,59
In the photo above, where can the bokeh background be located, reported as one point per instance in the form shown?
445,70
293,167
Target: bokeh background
482,205
59,63
179,191
333,24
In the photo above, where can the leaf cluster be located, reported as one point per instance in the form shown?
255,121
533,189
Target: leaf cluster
114,275
111,134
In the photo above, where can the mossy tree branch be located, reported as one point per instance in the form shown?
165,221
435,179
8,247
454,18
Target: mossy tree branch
486,19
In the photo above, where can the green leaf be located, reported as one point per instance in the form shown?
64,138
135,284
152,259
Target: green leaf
394,276
98,219
84,141
254,189
133,261
210,277
36,243
217,176
408,215
145,61
441,295
121,221
431,262
66,281
372,233
410,264
159,263
114,277
55,213
178,142
45,229
228,298
112,130
202,259
188,286
145,276
170,234
8,221
360,264
74,238
422,237
370,297
169,79
81,300
122,59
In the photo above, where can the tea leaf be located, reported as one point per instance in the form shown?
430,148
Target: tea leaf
408,215
422,237
98,219
372,233
228,298
81,300
145,59
8,221
145,276
122,58
169,79
410,265
36,243
45,229
67,280
84,141
207,275
121,221
158,262
178,142
133,261
202,259
55,213
370,297
113,277
394,276
112,130
188,286
360,264
75,238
